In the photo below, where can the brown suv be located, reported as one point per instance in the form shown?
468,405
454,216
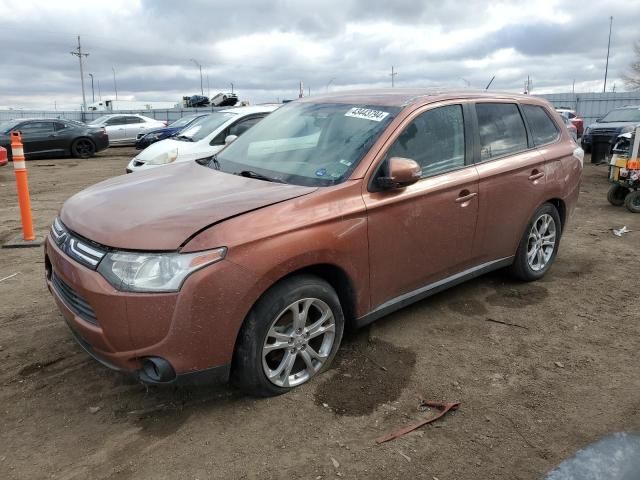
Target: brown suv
332,211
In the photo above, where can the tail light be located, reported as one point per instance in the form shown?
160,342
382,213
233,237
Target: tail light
633,164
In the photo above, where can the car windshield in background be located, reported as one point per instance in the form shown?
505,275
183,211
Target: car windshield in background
622,115
8,125
205,126
314,144
182,122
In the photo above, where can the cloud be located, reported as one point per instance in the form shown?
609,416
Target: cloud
266,47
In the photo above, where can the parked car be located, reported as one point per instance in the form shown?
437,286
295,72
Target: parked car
616,122
334,210
4,159
124,128
224,100
54,137
573,131
574,118
143,140
202,139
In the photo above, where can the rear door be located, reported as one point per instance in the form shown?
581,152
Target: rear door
136,125
512,178
116,129
424,232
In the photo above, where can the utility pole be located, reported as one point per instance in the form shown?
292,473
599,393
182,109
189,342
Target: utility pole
301,94
99,94
393,74
231,87
115,85
200,67
79,54
606,68
93,96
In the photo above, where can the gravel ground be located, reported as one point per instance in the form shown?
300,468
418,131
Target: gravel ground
565,373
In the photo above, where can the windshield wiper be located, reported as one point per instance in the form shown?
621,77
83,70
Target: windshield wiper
257,176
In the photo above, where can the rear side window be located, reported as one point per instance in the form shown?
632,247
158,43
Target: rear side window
502,131
543,129
435,140
133,120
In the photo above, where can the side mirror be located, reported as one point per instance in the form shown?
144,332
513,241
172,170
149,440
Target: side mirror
230,139
402,173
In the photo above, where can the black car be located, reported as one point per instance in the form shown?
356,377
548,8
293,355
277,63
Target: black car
603,133
143,140
54,137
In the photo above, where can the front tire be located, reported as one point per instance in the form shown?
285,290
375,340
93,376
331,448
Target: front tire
290,336
539,245
83,148
617,194
632,201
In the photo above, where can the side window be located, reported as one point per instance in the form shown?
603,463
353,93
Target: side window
37,127
243,125
131,120
116,121
501,128
435,140
60,126
543,129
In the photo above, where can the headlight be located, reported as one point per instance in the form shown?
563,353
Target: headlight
164,158
154,272
628,129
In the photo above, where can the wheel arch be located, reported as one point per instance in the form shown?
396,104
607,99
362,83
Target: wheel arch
562,211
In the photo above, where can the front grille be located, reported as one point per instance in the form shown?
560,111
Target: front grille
73,300
82,251
604,131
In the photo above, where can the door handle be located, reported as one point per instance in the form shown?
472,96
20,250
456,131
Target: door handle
465,196
535,175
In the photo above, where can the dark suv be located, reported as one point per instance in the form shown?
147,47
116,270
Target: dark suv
606,129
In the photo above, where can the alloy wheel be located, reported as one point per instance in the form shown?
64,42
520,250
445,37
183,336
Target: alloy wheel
541,242
299,342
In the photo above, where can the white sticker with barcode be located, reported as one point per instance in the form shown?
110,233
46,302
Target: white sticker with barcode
366,114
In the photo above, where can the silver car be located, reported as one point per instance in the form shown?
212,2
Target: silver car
124,128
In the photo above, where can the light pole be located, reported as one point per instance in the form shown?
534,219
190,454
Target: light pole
200,67
231,87
93,95
115,86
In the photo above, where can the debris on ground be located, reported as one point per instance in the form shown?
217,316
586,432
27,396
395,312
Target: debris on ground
335,462
559,364
444,407
621,231
8,277
94,410
506,323
406,457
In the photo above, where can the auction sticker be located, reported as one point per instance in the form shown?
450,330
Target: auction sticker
367,114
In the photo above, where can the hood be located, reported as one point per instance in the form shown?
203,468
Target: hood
160,209
164,130
611,125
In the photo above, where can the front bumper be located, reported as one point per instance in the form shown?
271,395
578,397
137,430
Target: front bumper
101,141
196,338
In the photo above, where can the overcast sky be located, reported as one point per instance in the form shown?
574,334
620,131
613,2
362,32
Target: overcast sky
266,47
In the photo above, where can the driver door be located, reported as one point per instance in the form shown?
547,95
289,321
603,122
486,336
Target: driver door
424,232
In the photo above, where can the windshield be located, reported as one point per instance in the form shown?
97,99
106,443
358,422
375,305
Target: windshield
622,115
314,144
205,126
8,125
183,122
99,120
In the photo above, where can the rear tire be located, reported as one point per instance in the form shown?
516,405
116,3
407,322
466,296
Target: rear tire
539,245
273,353
83,148
632,201
617,194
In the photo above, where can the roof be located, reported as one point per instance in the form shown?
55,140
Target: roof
251,109
402,97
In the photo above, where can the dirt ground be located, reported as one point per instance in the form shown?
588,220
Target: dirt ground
564,374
